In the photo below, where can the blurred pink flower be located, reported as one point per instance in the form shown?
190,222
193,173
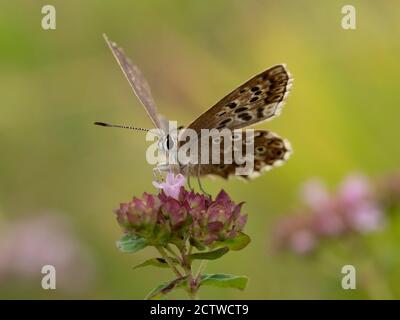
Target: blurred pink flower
354,189
366,217
315,194
302,241
29,244
353,208
172,185
328,223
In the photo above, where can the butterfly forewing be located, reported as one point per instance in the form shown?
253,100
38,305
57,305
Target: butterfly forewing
258,99
137,82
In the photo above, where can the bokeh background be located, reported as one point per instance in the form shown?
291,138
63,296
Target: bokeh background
61,177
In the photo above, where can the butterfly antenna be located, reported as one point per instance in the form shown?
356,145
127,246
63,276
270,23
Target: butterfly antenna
104,124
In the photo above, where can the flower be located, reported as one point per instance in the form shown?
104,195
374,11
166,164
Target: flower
178,222
354,207
172,185
29,243
176,215
302,242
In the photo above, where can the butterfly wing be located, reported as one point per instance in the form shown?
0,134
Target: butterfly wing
259,99
137,82
270,151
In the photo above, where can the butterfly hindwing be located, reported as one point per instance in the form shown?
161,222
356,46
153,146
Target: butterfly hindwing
269,151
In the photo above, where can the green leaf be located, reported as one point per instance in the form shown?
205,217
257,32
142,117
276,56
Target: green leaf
130,243
197,244
163,289
156,262
224,280
235,244
210,255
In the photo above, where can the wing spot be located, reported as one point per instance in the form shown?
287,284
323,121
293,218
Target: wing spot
254,89
220,114
232,105
254,99
261,149
223,122
241,109
260,112
245,116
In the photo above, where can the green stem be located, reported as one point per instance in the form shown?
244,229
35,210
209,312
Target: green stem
168,260
169,249
200,270
192,287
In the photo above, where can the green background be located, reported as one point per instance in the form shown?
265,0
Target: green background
341,116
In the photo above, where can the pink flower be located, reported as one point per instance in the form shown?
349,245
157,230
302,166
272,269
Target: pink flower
366,217
302,242
172,185
354,189
162,219
315,194
29,243
354,207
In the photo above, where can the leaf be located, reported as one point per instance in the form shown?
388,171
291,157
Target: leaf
210,255
224,280
163,289
235,244
131,243
195,243
156,262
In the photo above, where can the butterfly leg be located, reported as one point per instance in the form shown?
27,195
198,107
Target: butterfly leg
189,184
186,170
199,182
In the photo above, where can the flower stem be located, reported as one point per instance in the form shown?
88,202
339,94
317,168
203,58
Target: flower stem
168,260
169,249
200,270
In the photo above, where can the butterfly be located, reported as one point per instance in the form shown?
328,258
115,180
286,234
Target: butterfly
259,99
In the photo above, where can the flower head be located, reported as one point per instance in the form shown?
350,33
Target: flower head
353,208
176,215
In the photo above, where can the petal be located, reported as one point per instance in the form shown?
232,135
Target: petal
174,192
158,185
170,178
180,180
222,197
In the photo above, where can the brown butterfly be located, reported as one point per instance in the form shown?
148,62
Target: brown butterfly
259,99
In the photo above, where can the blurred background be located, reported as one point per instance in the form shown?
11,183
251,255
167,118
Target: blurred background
61,177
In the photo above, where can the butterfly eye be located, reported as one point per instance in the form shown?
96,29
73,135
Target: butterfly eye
169,143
